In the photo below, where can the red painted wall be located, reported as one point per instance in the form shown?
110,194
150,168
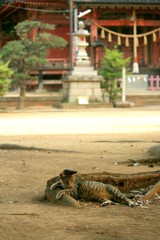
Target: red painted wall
61,30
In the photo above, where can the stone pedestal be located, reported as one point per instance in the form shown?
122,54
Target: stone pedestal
83,86
83,83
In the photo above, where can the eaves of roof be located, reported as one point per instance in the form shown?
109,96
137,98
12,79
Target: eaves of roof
128,2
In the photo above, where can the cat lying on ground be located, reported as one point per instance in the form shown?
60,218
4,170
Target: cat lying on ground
88,190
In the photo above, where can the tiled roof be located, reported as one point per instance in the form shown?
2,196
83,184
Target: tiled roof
120,1
50,2
37,2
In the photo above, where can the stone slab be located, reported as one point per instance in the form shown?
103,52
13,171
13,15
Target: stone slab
123,104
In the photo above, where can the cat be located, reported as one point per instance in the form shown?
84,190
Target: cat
88,190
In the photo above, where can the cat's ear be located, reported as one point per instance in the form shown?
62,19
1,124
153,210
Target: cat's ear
69,172
73,172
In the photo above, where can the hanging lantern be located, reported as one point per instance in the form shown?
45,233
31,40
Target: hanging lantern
127,42
103,34
137,42
119,41
145,40
154,37
109,37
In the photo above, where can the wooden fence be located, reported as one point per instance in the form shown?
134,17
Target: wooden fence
154,83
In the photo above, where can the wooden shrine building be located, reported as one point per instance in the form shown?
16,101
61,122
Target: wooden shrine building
48,11
132,26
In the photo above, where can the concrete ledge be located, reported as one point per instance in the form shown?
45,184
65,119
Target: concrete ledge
55,100
36,101
123,104
83,106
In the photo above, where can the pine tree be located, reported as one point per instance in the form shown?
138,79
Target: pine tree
29,53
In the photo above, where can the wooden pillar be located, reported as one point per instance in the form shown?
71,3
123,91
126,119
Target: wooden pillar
71,33
155,52
40,79
135,61
145,51
93,37
75,40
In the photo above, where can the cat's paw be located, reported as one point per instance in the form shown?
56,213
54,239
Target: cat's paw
106,203
59,195
131,203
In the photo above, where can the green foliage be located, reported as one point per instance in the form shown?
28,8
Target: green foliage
27,53
5,77
30,52
113,63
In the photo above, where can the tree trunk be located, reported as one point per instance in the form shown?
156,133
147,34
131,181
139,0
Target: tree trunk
151,193
124,182
22,96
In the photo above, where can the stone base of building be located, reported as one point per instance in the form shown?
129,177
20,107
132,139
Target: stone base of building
83,106
83,83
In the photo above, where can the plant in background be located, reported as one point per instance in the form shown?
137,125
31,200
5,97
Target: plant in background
5,77
113,63
29,52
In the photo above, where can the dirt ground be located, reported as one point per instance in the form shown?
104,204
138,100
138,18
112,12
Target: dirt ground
23,176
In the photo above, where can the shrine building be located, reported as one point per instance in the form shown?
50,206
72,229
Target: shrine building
132,26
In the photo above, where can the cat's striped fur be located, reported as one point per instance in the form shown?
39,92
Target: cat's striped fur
88,190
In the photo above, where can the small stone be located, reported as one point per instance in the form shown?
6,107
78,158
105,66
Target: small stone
11,202
130,165
147,202
154,151
136,164
151,165
143,207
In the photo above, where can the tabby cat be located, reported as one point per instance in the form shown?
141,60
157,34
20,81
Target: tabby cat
88,190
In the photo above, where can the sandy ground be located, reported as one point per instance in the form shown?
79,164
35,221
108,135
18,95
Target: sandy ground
23,176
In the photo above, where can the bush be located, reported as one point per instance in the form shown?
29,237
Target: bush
113,63
5,77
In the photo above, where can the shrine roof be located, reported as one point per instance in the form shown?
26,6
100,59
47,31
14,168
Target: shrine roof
119,1
110,2
36,2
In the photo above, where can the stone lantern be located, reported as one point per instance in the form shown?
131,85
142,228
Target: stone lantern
83,85
82,56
